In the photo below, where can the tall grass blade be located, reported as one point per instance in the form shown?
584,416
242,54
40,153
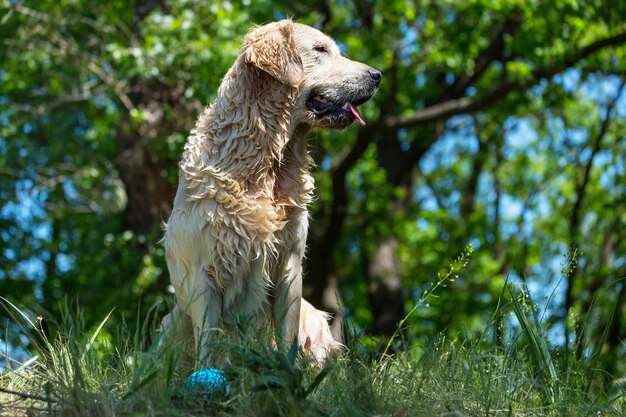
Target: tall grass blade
134,388
94,336
318,380
538,345
21,313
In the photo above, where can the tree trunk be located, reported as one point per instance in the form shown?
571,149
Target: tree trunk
150,194
384,288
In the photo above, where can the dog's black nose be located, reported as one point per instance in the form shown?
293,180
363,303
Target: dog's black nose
375,74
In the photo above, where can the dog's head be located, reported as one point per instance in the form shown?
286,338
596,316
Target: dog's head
329,86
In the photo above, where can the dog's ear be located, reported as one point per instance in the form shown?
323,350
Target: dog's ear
272,48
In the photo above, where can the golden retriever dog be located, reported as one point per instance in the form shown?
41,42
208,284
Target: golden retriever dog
236,237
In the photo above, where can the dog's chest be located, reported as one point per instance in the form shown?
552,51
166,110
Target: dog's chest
293,185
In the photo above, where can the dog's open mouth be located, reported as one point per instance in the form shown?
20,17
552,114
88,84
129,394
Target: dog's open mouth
321,106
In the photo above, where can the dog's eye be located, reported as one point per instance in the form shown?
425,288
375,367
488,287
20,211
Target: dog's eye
321,48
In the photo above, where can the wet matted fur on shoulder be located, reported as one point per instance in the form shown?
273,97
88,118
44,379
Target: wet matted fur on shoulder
237,233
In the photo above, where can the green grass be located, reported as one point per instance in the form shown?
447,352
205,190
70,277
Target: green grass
78,374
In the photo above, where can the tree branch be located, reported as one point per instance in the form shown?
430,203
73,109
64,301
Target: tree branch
467,203
491,53
582,185
447,108
574,221
29,396
450,108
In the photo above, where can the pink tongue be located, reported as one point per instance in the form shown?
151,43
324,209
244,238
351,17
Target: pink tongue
355,113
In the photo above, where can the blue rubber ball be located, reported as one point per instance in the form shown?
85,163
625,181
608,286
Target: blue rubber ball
207,380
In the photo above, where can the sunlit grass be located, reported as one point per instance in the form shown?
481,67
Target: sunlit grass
75,374
79,373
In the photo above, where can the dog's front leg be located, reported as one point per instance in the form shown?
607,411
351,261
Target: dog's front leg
288,288
287,307
203,309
